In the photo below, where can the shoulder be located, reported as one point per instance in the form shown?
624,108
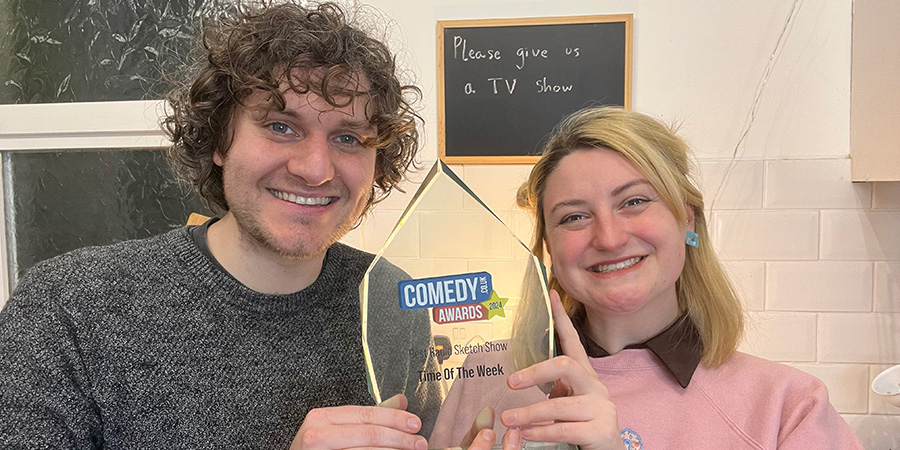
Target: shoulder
769,400
101,267
768,378
753,369
346,258
355,262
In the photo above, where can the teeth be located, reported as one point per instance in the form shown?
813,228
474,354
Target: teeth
606,268
310,201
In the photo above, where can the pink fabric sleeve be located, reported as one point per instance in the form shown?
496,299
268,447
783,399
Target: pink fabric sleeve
809,421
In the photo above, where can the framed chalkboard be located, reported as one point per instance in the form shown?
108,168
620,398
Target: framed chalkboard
504,83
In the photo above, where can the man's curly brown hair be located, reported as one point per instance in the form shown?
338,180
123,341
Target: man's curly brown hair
262,47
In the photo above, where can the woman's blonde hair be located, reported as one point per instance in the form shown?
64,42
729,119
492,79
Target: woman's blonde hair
703,289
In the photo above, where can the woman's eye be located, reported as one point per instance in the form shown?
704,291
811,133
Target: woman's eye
635,201
571,218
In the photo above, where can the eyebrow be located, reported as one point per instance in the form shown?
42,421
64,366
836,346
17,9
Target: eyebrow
360,126
615,192
629,185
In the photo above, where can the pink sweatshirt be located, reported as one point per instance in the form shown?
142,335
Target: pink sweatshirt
746,403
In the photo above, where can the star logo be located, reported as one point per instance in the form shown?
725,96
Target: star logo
494,305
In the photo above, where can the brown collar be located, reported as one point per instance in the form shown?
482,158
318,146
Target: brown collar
678,347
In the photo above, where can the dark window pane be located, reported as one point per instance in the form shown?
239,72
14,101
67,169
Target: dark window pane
95,50
59,201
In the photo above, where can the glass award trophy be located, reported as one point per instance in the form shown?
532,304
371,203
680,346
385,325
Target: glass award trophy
451,306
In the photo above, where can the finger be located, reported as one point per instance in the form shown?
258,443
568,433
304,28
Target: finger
575,377
363,415
572,409
578,433
484,420
512,440
484,440
396,402
568,338
361,436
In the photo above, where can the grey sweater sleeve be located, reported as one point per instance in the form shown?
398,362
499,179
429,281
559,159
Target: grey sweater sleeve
45,399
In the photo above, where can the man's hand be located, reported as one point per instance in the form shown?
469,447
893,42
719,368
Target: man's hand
578,411
385,426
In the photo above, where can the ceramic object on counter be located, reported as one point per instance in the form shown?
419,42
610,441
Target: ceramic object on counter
887,385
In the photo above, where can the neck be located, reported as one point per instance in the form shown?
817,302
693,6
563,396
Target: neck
256,267
614,332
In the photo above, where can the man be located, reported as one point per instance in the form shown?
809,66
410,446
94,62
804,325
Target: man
233,333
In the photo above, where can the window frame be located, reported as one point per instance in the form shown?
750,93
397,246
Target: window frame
74,126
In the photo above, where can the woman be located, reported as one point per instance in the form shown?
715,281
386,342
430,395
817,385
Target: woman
653,361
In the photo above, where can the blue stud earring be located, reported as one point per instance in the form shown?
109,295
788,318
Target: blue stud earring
692,239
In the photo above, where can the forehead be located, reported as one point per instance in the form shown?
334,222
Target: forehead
319,88
593,167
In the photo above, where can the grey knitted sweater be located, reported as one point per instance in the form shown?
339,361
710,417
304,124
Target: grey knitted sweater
149,344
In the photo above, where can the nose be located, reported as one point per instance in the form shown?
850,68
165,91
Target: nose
609,233
311,160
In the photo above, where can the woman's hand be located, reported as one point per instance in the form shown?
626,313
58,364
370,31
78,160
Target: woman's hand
578,411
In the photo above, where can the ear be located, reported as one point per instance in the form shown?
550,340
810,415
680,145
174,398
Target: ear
217,158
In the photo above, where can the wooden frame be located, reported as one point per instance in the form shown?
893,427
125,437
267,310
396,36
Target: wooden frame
443,26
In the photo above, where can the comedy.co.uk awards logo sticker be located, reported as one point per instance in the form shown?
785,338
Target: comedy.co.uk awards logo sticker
455,298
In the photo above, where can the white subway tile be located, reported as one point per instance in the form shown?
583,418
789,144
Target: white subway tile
444,196
886,195
861,235
380,224
506,276
843,286
781,336
847,385
887,287
354,238
398,200
766,235
875,432
749,279
496,185
859,338
463,235
807,184
742,187
522,225
427,268
877,404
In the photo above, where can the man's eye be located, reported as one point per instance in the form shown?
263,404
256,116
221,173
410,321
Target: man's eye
346,139
280,128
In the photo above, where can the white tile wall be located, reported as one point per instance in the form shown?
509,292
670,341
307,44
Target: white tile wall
847,385
859,338
886,195
819,286
789,337
744,189
749,278
887,287
767,235
819,184
876,432
861,235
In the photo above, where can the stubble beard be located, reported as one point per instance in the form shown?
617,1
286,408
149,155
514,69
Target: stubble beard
255,233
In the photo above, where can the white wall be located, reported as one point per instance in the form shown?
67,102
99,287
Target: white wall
762,92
